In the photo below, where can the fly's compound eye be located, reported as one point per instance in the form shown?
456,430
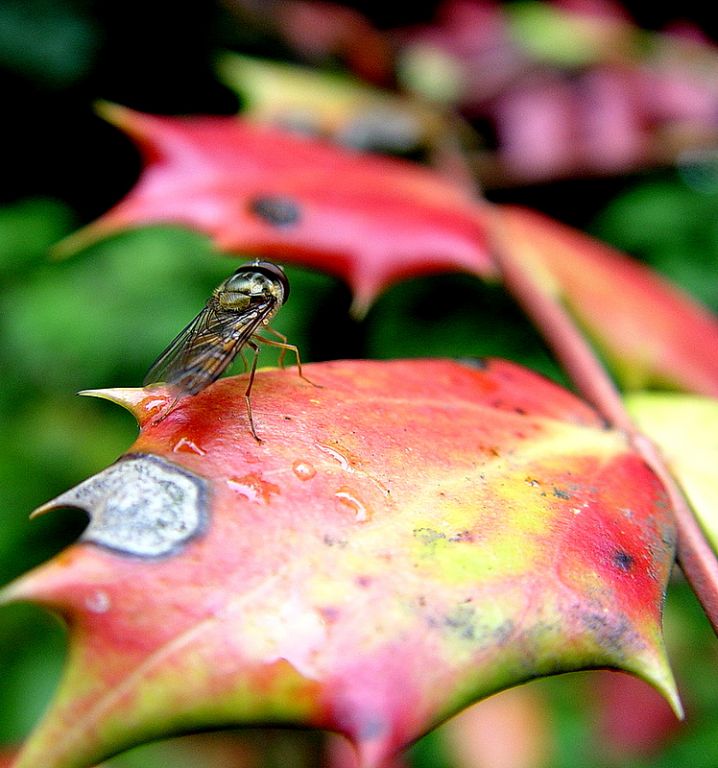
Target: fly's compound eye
242,278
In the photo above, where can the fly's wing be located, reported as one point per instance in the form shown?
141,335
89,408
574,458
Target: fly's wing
199,354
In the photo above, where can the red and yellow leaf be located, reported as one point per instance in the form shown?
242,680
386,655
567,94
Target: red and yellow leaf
409,537
351,112
256,189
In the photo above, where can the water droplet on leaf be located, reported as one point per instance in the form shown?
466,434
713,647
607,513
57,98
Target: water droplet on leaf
340,458
253,488
185,445
304,470
348,498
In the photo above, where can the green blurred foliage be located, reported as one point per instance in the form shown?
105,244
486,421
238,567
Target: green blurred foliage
670,221
52,43
454,316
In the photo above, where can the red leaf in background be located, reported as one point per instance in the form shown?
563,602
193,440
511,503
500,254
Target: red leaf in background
255,189
373,221
323,30
633,720
410,537
604,94
650,332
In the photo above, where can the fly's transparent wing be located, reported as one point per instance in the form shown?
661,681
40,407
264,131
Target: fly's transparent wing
199,354
170,359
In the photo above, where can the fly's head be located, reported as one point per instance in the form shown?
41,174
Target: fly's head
258,281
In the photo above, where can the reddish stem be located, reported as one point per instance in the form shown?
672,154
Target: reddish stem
578,359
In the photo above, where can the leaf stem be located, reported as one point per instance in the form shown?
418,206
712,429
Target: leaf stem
578,359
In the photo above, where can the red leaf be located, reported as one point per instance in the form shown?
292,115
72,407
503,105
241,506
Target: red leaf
256,189
410,537
633,720
373,221
650,332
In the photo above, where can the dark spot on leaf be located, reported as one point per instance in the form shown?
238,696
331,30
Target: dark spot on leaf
462,622
622,560
428,535
363,581
559,494
612,631
477,363
668,536
277,211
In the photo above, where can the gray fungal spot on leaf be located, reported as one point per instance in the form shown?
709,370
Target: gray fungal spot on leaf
275,210
143,505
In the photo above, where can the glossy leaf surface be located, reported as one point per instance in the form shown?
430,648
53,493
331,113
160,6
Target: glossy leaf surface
409,537
256,189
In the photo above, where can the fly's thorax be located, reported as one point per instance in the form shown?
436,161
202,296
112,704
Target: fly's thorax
233,300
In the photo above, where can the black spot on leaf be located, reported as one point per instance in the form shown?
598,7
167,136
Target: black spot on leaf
275,210
477,363
622,560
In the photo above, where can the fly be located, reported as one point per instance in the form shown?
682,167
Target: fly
238,309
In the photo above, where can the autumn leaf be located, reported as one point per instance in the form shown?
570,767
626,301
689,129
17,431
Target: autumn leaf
373,221
256,189
563,87
649,331
410,537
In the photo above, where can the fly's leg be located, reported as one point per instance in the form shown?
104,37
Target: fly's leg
285,347
247,392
